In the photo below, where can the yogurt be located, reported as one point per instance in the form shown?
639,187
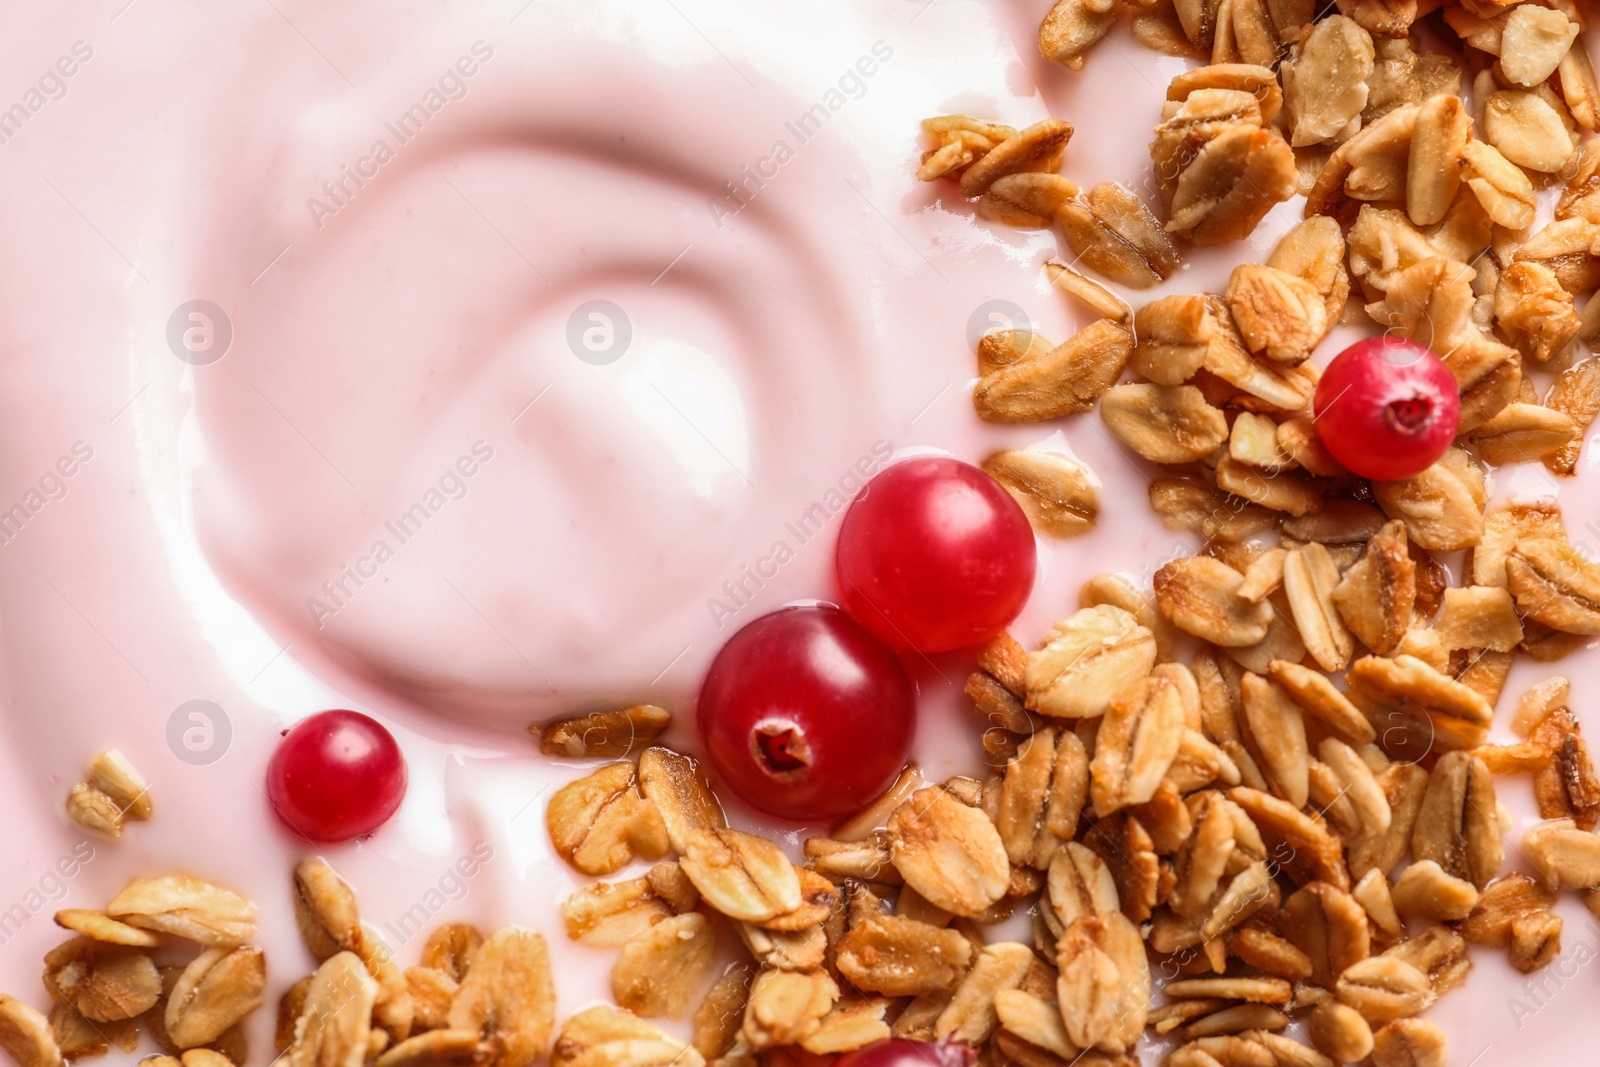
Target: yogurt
472,366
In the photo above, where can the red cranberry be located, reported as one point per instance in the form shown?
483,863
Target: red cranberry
934,555
806,714
336,775
1387,408
902,1052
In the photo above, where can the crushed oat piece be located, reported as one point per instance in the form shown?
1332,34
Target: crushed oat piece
1310,578
717,1019
1200,595
1057,493
1279,315
324,909
949,853
1073,27
970,1016
1575,394
1442,507
1002,348
1326,82
677,787
1318,697
1425,891
1409,1043
1276,737
1313,853
609,914
508,996
1565,784
599,823
1376,596
215,991
26,1036
1555,584
1086,660
743,876
1434,166
1136,743
1534,312
603,1036
1339,1032
1505,192
660,971
437,1048
1029,200
609,734
1479,617
451,949
900,957
962,139
107,983
1563,854
1567,247
1037,148
113,774
1114,232
1231,184
1254,440
1065,381
1327,924
334,1023
1384,988
786,1007
431,992
1104,984
1164,424
93,809
1527,131
186,907
1522,433
1454,715
101,927
1096,296
1212,514
1174,334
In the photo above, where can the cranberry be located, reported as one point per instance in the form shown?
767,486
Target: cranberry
934,555
806,714
903,1052
1387,408
336,775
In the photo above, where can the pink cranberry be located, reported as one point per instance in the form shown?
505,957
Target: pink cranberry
806,714
934,555
1387,408
336,775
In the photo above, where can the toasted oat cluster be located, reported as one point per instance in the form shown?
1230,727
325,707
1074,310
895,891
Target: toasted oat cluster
1234,826
471,1000
1301,813
106,984
114,795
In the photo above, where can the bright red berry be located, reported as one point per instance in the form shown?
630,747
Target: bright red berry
336,775
806,714
902,1052
1387,408
934,555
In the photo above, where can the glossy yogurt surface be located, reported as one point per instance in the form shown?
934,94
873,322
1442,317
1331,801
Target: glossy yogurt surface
472,365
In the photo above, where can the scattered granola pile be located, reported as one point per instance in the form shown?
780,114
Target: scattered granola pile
114,794
1299,815
106,984
472,1000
